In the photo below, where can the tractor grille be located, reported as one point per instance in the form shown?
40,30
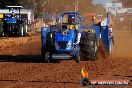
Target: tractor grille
62,44
12,26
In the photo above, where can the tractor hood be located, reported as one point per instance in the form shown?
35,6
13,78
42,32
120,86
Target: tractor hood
64,37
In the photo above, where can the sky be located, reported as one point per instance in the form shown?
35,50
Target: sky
103,2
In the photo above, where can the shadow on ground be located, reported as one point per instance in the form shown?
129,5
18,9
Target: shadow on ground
25,59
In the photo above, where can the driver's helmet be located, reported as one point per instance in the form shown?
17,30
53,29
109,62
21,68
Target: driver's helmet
71,19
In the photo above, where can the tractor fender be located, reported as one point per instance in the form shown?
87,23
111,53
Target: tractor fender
93,27
106,39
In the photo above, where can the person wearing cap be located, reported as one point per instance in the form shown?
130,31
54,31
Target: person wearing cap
13,15
93,19
111,33
72,23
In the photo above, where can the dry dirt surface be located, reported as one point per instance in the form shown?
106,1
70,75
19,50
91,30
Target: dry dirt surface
21,65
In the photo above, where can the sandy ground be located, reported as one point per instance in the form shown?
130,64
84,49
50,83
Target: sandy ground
123,42
22,65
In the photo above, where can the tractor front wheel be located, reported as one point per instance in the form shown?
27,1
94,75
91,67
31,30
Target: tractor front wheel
1,28
77,57
21,28
47,59
25,29
1,31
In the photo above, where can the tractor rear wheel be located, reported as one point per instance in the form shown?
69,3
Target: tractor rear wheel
89,45
5,27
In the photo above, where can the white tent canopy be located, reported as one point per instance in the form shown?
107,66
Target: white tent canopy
14,6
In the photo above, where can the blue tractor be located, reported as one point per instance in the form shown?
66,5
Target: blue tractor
61,41
68,38
13,24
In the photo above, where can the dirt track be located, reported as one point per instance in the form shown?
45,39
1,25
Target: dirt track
27,70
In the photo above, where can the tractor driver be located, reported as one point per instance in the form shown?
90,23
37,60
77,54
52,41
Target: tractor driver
71,22
13,15
111,33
